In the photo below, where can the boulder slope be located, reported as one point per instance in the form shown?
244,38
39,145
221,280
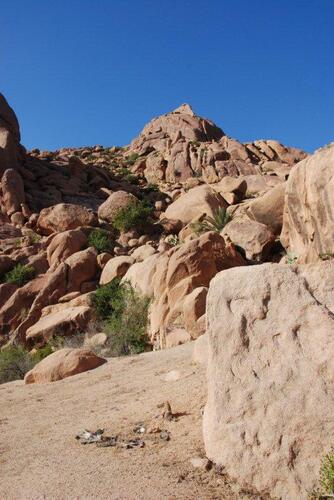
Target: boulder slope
268,419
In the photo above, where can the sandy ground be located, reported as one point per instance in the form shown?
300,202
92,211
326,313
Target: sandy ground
41,459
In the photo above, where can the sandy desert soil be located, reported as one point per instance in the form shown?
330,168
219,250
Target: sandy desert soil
41,459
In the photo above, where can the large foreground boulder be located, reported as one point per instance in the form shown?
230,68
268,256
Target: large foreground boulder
308,220
62,364
269,415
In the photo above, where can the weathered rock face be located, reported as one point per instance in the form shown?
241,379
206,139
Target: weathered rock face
114,268
114,204
308,220
62,364
254,238
182,122
65,244
10,149
270,375
196,202
178,272
180,144
268,209
194,307
12,191
82,266
64,322
63,217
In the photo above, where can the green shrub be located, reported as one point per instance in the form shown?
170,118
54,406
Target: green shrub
327,473
126,326
326,479
291,259
20,275
41,353
105,297
125,315
131,159
216,223
135,215
172,239
100,240
151,188
16,361
74,341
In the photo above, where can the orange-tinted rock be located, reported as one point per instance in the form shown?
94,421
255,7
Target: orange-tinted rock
115,202
62,364
12,191
10,151
64,322
194,306
65,244
254,238
63,217
82,267
196,202
115,267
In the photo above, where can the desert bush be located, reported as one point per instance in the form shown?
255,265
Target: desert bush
216,223
172,239
100,240
104,298
135,215
126,326
291,259
326,478
125,314
132,158
20,275
151,188
16,361
74,341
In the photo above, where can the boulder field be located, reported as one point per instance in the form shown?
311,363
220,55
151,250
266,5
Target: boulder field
233,245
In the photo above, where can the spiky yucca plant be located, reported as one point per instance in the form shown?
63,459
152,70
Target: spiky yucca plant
216,223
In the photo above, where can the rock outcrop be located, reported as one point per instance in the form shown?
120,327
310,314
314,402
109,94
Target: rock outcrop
182,145
178,272
12,191
307,232
268,419
11,153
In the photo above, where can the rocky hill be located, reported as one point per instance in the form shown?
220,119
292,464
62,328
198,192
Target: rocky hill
186,168
209,240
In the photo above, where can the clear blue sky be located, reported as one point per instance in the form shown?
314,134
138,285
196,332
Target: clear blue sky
80,72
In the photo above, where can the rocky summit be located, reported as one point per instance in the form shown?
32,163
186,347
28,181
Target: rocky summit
185,236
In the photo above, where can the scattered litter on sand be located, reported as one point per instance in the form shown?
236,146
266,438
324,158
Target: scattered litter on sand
88,437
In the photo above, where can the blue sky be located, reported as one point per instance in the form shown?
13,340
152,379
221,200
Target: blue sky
81,72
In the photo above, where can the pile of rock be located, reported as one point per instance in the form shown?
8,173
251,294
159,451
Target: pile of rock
52,201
